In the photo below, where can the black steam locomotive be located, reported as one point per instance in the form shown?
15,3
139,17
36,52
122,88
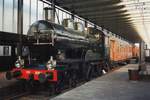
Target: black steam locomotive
59,55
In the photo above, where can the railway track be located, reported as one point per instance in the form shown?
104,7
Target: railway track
11,91
16,96
42,95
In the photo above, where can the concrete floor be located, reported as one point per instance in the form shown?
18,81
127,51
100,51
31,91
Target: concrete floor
112,86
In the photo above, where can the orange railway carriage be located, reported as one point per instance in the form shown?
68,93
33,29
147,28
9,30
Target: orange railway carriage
121,50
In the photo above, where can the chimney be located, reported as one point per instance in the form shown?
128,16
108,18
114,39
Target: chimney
49,14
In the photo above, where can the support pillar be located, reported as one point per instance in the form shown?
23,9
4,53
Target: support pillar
142,65
20,27
53,11
142,53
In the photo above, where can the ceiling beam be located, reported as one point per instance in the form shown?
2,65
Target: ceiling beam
102,8
108,16
89,6
113,21
106,8
116,24
104,12
119,21
80,3
140,18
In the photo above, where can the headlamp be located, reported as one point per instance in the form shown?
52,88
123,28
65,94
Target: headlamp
51,64
17,64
